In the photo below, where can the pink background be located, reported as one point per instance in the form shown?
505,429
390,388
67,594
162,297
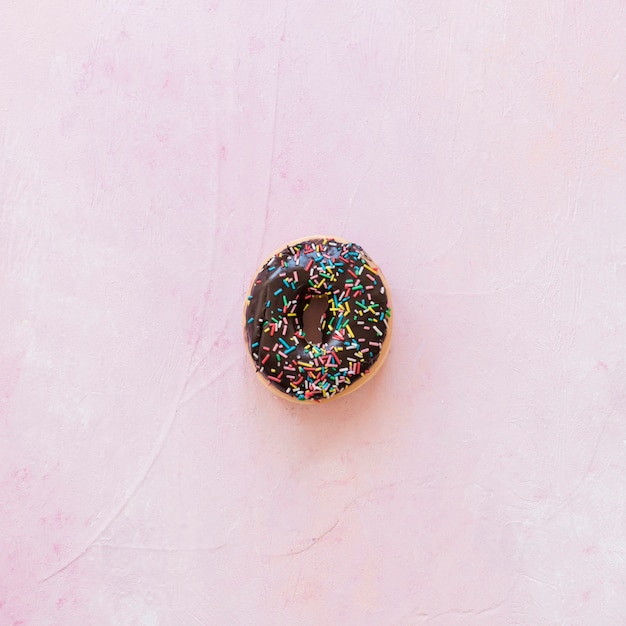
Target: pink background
152,153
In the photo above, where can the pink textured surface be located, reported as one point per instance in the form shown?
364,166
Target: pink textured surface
152,153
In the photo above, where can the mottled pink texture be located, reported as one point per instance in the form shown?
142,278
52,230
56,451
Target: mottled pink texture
152,154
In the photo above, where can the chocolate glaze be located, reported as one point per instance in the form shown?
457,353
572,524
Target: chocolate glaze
354,327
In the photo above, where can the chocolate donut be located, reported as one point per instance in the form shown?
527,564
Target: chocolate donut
355,327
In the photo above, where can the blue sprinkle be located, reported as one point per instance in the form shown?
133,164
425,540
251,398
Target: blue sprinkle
283,342
251,320
255,344
278,291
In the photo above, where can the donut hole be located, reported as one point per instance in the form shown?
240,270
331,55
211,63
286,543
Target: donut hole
313,317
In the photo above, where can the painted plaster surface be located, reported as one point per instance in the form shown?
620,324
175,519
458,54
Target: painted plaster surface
152,153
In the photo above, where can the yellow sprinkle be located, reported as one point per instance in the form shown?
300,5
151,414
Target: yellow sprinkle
350,331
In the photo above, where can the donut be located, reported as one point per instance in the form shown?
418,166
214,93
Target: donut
355,327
